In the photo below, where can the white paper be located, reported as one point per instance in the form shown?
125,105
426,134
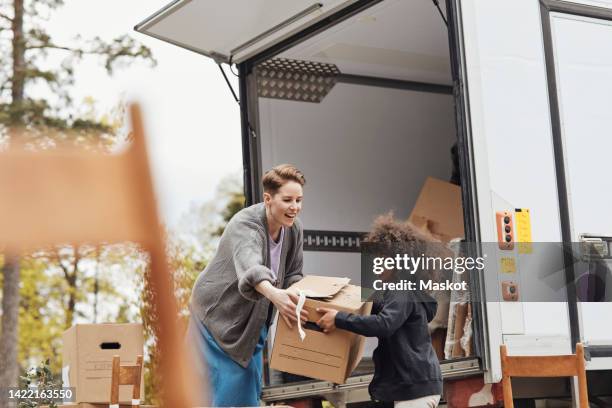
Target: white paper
66,376
298,311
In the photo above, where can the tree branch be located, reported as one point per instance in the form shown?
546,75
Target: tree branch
61,265
5,17
77,258
120,48
52,46
5,86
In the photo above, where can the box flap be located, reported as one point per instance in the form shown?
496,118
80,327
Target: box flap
321,286
358,344
439,210
348,299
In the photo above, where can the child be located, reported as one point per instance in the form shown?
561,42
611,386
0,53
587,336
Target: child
406,369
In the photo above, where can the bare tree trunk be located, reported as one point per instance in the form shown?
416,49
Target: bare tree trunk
19,66
9,368
96,288
70,274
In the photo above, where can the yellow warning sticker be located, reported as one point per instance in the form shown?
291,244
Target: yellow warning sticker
508,265
523,230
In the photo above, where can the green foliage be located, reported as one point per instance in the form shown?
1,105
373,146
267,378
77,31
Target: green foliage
41,315
235,203
205,223
42,377
185,263
88,274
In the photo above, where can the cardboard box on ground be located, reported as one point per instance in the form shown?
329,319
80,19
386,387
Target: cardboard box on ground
87,356
324,356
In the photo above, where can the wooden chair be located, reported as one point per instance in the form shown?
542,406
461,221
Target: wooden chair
544,366
70,196
125,375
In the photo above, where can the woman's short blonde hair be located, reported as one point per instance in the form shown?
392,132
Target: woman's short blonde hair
276,177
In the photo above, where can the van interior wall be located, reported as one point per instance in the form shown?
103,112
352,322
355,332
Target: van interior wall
365,151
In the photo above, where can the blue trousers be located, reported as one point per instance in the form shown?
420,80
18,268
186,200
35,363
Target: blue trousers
230,384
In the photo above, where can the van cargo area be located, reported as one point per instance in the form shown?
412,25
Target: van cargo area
367,145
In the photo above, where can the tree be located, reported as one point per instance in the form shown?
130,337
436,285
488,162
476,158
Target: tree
235,203
80,270
39,123
9,370
49,304
30,44
204,223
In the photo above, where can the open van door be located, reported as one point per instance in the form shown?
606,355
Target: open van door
537,98
579,81
231,31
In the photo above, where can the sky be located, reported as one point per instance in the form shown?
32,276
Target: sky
191,119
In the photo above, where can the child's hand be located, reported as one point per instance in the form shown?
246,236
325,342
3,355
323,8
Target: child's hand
328,321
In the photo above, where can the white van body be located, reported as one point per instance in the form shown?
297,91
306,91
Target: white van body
524,87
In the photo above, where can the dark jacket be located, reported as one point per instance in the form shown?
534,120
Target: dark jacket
224,296
405,364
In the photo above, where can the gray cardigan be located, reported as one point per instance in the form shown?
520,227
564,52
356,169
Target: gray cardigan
224,296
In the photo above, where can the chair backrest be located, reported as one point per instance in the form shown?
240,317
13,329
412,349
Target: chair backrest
571,365
68,196
125,375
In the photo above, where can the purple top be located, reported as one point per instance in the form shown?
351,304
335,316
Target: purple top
275,252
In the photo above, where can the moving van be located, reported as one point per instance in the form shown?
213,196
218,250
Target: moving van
368,97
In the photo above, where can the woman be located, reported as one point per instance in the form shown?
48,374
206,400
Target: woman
258,257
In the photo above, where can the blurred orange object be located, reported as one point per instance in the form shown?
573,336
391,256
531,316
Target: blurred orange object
70,196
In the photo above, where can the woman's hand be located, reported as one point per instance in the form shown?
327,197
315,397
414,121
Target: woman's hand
328,321
284,300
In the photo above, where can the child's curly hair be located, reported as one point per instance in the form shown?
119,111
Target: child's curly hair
403,237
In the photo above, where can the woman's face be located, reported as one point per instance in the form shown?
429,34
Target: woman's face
285,204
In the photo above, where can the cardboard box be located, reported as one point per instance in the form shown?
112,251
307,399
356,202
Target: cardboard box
439,210
324,356
87,359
